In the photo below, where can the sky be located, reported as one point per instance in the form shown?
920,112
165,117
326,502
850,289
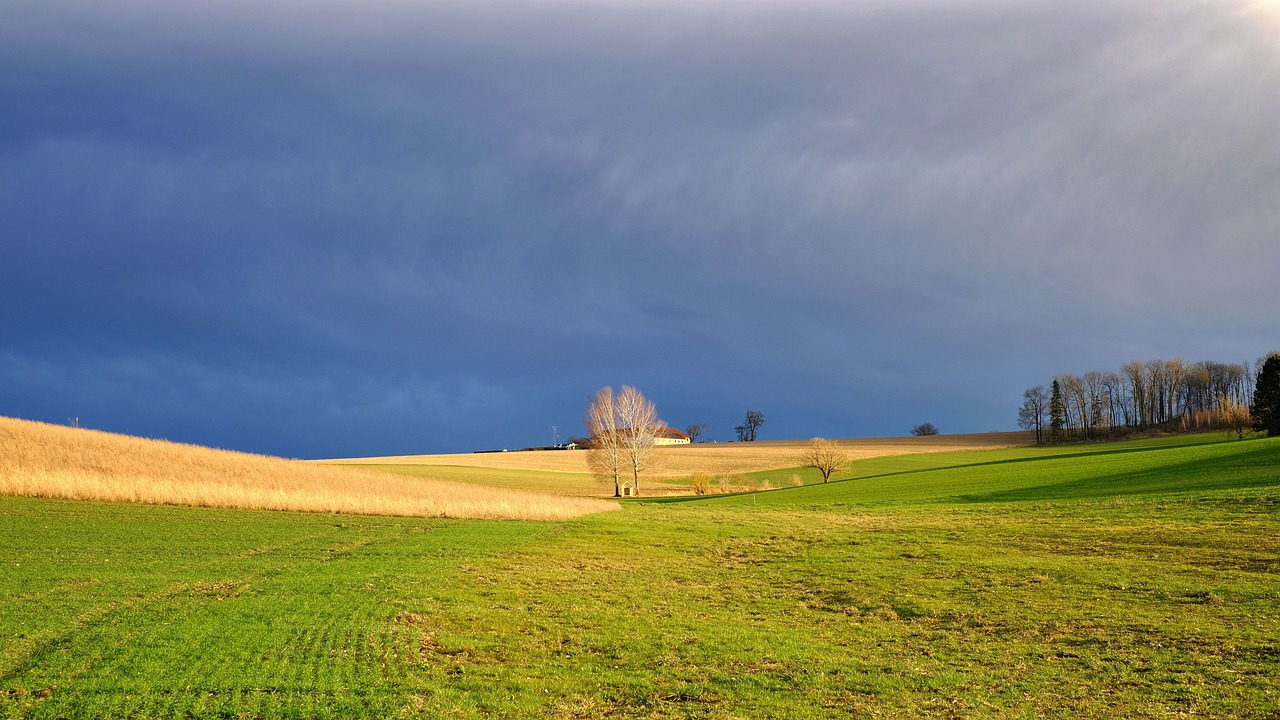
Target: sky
329,229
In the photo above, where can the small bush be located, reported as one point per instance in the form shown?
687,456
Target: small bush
701,483
731,484
924,430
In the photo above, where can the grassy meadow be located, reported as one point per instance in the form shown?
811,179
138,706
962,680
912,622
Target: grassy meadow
1137,579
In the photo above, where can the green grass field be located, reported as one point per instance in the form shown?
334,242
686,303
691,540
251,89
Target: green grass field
1111,580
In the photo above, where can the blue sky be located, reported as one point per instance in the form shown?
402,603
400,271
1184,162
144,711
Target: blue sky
313,229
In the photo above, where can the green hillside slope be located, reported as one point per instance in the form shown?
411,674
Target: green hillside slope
1168,466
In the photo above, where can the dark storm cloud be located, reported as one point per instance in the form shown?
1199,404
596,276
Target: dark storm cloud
313,229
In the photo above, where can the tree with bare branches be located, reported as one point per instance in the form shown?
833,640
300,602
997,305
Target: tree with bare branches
1031,416
1167,395
605,453
1235,415
637,423
622,426
750,426
924,429
696,432
826,456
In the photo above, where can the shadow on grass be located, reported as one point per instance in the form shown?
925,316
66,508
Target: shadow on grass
1259,467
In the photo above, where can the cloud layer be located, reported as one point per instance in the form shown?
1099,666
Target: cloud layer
313,230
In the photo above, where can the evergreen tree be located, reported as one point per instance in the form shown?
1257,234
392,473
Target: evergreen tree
1266,397
1057,412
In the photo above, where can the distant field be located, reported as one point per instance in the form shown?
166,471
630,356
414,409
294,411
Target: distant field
540,481
566,472
1125,580
41,460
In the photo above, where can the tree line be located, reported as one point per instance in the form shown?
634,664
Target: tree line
1171,395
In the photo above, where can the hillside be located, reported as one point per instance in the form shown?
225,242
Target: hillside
52,461
1168,467
1120,580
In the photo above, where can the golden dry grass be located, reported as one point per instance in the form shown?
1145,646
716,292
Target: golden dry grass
52,461
682,461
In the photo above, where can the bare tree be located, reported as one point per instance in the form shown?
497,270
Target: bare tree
826,456
637,423
696,431
1035,403
1235,415
1075,402
924,429
1113,387
1175,371
1094,385
1139,395
605,453
1158,391
747,430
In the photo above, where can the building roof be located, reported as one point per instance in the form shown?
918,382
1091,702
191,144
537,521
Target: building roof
670,433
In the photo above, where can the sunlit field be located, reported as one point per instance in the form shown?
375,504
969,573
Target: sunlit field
565,471
51,461
1118,580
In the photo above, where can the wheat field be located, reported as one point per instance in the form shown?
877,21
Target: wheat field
53,461
682,461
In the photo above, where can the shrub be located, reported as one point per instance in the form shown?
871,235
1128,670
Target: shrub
924,429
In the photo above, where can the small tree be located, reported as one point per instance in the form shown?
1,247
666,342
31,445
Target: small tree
637,423
747,430
701,483
1031,415
826,456
605,453
696,431
924,429
1235,415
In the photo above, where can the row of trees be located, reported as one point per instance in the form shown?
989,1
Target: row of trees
1164,394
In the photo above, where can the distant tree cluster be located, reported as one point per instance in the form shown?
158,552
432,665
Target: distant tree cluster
1170,395
750,426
